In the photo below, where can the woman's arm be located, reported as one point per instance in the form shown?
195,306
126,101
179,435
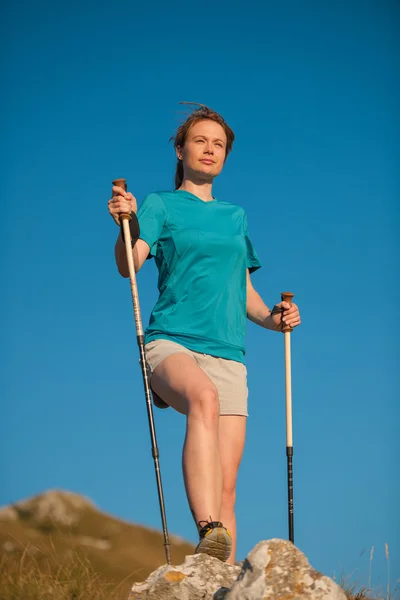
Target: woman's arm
259,313
257,310
124,202
140,252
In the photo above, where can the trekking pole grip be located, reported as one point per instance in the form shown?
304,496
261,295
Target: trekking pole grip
287,297
122,183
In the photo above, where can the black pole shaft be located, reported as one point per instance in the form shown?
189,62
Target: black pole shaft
289,454
154,448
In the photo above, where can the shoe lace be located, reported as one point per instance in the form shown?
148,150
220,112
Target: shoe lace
204,526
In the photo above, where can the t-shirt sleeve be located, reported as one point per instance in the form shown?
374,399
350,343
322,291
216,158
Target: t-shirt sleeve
151,215
252,261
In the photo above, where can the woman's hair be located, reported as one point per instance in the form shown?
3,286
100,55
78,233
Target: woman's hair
199,114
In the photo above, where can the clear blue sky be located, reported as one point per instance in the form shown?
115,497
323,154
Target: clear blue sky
90,93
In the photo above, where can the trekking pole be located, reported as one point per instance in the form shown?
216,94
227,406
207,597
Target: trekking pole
125,226
288,297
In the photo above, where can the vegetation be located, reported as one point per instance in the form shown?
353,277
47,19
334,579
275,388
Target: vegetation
25,578
59,546
75,579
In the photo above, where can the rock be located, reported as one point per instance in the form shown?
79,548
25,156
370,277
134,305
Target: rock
86,540
277,570
8,513
61,507
198,578
274,569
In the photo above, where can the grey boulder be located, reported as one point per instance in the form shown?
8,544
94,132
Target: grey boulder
274,569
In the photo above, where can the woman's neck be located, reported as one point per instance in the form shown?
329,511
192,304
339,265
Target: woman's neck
201,190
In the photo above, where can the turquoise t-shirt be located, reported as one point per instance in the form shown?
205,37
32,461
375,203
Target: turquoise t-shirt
202,250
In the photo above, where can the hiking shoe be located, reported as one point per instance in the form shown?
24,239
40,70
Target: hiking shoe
215,540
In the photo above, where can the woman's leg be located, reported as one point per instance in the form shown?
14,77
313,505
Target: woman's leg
180,382
232,434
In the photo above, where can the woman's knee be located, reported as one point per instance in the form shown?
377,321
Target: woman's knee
204,404
228,497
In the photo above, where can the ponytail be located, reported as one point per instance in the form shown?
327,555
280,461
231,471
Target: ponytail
178,174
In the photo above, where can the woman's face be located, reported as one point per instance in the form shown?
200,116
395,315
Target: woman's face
204,151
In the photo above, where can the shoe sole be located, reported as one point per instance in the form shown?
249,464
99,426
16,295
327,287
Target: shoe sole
216,543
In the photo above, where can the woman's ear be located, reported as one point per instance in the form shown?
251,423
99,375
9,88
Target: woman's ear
179,152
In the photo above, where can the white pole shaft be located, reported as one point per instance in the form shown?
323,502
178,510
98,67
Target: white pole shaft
132,277
288,377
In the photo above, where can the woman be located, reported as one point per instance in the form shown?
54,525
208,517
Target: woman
195,338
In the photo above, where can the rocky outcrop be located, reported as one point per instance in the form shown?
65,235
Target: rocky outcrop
273,570
60,507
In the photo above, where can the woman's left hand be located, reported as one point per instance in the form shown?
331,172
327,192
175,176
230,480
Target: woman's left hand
289,316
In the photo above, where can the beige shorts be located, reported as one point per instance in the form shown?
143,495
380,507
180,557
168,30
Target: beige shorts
228,376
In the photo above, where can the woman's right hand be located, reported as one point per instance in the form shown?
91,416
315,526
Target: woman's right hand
121,202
